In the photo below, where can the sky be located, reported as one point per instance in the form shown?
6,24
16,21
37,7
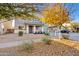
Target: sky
73,7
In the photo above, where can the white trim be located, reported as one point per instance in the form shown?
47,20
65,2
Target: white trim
34,29
27,29
2,25
42,29
13,23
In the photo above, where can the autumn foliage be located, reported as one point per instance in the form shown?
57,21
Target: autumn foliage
55,15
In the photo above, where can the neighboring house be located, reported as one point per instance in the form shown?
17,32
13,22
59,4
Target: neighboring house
27,26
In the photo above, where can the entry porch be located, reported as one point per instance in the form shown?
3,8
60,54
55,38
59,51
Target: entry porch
29,29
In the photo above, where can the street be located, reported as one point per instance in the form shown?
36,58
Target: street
73,36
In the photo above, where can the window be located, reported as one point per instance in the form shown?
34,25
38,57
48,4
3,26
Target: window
20,27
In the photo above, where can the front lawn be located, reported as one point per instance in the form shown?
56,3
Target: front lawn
56,48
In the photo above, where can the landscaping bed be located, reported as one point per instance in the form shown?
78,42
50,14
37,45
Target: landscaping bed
41,49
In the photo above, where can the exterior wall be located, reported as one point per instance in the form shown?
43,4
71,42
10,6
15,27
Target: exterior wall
16,31
28,23
11,25
8,25
34,29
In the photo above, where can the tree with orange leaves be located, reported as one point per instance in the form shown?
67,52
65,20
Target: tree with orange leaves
56,15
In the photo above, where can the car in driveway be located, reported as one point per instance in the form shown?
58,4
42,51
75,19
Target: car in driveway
65,34
65,31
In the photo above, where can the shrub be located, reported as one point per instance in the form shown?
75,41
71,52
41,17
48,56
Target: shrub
35,33
46,33
47,41
77,31
38,33
28,47
20,33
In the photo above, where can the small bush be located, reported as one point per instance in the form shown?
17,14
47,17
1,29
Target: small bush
38,33
77,31
47,41
20,33
46,33
27,47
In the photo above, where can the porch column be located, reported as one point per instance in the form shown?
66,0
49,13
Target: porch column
27,29
2,25
34,29
13,23
42,29
2,28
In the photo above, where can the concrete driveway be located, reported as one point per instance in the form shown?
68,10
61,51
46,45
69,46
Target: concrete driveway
72,36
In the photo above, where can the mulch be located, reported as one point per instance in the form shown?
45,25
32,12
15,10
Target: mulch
42,49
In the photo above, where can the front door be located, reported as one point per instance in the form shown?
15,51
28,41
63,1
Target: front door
30,29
